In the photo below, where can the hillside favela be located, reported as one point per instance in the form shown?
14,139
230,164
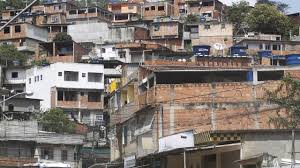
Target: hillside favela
149,84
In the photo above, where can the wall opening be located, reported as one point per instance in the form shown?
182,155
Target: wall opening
200,77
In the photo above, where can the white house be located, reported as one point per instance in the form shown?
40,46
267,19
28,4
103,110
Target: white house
75,87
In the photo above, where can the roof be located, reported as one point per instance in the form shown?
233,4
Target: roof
246,131
278,41
175,68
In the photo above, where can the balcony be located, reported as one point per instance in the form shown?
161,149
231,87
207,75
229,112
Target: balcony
79,105
15,161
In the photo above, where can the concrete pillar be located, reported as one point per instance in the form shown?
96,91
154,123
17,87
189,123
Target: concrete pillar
255,76
213,115
219,160
79,105
172,111
53,48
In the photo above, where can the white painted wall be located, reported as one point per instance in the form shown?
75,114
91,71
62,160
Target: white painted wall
89,32
19,80
41,88
57,150
111,53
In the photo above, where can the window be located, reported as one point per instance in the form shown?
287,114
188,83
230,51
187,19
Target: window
54,19
47,154
124,138
211,3
59,73
64,155
94,97
17,29
60,95
70,96
260,46
94,77
161,8
57,7
14,75
206,26
156,27
99,117
122,54
152,7
75,156
223,26
268,47
113,49
102,50
29,80
6,30
83,75
65,29
71,76
147,9
81,93
37,78
72,12
276,47
41,77
10,107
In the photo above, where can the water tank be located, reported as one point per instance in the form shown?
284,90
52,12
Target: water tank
201,50
264,53
293,59
238,51
250,76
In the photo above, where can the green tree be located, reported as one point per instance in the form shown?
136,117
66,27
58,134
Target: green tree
287,97
57,121
237,13
60,37
268,19
10,53
280,5
192,18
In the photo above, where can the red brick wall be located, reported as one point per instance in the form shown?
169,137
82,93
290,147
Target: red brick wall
234,108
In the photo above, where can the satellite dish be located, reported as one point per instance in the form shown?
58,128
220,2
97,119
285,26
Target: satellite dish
219,46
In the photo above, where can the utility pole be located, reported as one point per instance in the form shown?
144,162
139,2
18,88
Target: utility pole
293,149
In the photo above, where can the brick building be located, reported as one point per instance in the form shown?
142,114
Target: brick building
165,98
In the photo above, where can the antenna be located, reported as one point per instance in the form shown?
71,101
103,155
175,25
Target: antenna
219,48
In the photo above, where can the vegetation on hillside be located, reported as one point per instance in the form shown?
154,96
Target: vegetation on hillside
56,120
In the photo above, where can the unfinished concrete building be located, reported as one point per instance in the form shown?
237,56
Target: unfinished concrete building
24,36
124,11
90,15
165,98
151,10
53,52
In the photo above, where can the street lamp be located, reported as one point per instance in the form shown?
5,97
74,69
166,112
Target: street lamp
28,93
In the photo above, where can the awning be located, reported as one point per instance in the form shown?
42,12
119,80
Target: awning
145,128
256,159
